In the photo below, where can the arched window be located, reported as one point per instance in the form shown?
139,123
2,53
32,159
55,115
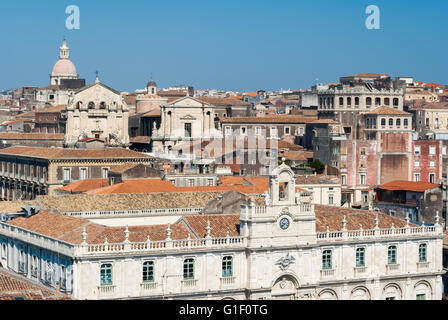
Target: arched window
79,105
391,122
349,101
227,266
106,274
189,269
368,101
395,102
377,101
392,255
148,271
91,105
356,101
387,101
405,122
102,105
383,122
341,101
398,122
326,259
422,257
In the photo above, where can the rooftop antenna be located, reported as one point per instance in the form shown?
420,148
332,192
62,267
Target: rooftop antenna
97,78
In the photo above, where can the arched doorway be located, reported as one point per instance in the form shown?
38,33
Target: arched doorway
392,291
360,293
422,291
285,288
328,294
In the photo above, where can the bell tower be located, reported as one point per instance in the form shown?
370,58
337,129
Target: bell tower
283,220
64,51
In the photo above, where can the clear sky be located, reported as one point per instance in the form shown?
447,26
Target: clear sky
226,44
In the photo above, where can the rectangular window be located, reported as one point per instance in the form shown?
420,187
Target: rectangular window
392,255
344,179
187,127
432,164
148,271
362,179
363,151
83,174
431,178
432,150
273,132
243,130
105,173
330,199
287,131
189,269
422,252
106,274
300,131
417,150
421,297
66,174
227,267
417,164
416,177
360,255
228,131
258,131
326,259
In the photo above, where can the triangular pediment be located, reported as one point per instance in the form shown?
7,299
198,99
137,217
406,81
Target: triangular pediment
188,102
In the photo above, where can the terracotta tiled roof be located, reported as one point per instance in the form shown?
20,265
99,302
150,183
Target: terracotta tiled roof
31,136
320,179
70,229
408,186
220,224
137,186
61,153
224,101
433,105
15,206
369,75
85,185
53,109
124,167
135,201
171,93
388,111
14,286
11,122
297,155
332,217
269,119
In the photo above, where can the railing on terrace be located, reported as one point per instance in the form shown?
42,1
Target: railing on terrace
160,245
377,233
262,210
141,212
37,239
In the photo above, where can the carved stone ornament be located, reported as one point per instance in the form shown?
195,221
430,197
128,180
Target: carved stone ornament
285,262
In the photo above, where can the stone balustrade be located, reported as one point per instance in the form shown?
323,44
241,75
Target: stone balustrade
133,213
149,246
37,239
331,236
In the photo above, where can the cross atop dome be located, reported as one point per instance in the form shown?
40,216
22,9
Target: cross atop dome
64,51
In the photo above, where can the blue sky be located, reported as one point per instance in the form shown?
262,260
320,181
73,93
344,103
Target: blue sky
232,44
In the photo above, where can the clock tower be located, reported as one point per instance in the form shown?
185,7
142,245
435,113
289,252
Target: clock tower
283,220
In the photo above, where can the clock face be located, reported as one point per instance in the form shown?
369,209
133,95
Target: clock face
284,223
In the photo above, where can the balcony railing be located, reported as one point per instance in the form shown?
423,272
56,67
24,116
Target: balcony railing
326,273
106,289
227,281
148,286
360,270
191,283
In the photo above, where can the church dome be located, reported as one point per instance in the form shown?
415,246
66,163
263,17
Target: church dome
64,67
151,84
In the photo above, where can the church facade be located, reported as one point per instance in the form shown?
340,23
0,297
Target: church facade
97,112
282,249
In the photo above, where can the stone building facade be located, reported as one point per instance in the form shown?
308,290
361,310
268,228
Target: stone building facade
283,249
26,172
99,112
